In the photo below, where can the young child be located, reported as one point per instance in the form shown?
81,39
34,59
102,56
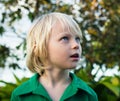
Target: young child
53,49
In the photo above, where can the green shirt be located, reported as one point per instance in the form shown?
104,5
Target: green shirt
32,90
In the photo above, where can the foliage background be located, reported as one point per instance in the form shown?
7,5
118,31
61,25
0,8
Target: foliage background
99,21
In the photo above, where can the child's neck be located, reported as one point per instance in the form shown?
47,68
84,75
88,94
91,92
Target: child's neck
55,77
55,82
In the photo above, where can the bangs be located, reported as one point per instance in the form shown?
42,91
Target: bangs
69,24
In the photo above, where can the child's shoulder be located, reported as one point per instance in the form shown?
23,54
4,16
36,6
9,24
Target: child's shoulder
27,86
82,85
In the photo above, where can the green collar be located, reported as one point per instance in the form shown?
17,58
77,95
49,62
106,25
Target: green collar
35,87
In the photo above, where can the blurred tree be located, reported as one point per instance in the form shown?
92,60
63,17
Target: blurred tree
99,21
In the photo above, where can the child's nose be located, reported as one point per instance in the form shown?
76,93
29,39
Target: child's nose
75,45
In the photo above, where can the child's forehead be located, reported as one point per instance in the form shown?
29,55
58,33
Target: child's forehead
64,28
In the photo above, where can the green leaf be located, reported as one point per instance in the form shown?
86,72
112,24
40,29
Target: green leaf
7,83
1,30
31,16
17,79
107,82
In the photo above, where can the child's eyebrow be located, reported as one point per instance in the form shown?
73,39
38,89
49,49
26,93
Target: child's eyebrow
70,33
65,34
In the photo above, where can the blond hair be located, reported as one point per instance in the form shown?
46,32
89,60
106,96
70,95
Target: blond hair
38,37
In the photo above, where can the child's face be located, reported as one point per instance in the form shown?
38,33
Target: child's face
64,48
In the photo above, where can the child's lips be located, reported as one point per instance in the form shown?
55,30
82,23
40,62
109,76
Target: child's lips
75,56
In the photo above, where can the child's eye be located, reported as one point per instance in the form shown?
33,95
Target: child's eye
77,39
65,38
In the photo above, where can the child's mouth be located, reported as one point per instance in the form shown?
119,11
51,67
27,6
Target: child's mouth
75,57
